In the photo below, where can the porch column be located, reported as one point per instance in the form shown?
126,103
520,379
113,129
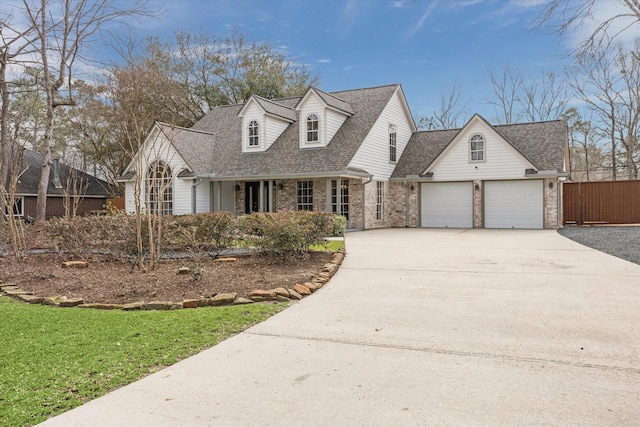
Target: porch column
270,196
261,197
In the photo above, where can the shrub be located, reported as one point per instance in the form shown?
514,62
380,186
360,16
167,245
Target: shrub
210,232
285,235
339,225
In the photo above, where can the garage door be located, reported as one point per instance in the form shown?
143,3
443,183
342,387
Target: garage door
513,204
446,204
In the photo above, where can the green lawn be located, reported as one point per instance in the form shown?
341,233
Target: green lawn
54,359
329,246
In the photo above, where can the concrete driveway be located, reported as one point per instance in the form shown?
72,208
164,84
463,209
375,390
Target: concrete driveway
420,327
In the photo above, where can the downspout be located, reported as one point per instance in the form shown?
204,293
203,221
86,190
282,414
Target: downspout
196,182
364,203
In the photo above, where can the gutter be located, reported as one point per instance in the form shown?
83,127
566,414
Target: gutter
532,173
348,173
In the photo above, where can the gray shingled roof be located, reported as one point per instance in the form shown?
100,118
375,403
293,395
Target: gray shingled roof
85,184
276,109
335,102
214,144
542,143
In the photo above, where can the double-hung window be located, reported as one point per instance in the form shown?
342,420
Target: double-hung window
305,195
254,139
392,143
313,128
476,148
379,200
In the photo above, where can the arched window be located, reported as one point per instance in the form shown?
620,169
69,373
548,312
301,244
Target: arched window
312,128
160,188
254,139
476,148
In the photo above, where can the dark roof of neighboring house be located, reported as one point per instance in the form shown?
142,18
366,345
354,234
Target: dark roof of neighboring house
86,184
542,143
214,144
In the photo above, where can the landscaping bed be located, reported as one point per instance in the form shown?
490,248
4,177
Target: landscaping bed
620,241
110,281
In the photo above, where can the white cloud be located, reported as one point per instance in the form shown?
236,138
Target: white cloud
425,15
625,29
324,61
400,3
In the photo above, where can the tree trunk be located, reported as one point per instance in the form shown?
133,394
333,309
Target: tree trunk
43,184
4,130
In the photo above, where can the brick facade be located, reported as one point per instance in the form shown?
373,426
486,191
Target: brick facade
55,206
401,205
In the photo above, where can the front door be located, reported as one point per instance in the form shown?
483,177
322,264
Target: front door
251,197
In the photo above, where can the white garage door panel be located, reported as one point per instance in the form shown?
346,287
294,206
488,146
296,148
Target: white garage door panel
513,204
447,204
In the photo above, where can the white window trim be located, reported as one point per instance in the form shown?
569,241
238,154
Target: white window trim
17,199
306,131
393,147
257,134
304,189
483,151
379,201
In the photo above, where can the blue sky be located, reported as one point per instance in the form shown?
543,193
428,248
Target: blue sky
426,46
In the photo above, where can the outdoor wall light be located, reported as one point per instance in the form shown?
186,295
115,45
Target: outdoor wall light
477,187
280,186
237,187
551,185
412,188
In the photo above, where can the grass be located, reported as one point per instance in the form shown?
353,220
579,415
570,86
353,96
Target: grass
53,359
329,246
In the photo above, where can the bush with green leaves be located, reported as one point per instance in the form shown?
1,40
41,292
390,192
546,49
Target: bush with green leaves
285,235
209,233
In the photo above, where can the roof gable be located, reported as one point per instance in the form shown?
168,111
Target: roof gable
500,160
269,107
542,144
224,143
329,100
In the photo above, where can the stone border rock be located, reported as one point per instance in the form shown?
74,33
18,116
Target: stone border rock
296,293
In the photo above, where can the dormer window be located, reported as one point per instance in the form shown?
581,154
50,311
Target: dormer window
254,139
312,128
476,148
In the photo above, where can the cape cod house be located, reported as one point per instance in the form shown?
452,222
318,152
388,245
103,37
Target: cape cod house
356,153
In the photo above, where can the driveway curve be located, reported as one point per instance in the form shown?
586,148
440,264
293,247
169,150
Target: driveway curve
420,327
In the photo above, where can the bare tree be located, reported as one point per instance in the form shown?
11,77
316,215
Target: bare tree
452,110
505,95
13,44
544,98
63,27
564,16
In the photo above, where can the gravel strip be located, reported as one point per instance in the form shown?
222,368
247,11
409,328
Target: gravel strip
623,242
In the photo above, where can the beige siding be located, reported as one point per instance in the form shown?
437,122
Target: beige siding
332,123
158,147
203,195
312,105
502,160
253,112
273,129
373,154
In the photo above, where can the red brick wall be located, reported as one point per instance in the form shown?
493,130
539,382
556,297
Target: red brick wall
55,206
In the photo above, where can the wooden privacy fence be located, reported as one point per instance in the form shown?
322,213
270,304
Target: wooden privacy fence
607,202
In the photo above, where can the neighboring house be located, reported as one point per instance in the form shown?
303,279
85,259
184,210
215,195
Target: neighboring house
356,153
65,183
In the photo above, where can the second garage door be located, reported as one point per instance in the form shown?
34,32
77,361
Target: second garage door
446,204
513,204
